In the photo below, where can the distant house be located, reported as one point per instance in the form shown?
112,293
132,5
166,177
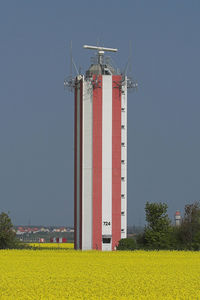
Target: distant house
56,230
63,229
44,229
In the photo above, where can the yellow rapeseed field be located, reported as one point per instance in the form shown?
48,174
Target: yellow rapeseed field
70,274
53,245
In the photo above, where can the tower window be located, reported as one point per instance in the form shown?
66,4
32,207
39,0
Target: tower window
122,126
106,240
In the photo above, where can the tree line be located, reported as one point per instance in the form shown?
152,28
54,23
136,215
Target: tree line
161,234
7,235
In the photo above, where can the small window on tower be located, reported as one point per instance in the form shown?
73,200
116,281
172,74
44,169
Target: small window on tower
123,109
106,240
123,126
122,161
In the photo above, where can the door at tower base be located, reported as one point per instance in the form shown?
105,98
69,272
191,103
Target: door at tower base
106,242
100,162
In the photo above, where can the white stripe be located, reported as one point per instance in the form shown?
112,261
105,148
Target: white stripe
106,157
87,167
78,169
124,165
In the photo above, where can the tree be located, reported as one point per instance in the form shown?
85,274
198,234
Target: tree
157,233
189,231
126,244
7,235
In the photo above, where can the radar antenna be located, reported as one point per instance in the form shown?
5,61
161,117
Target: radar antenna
100,51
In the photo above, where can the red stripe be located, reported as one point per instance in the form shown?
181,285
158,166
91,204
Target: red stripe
116,160
75,168
97,165
81,148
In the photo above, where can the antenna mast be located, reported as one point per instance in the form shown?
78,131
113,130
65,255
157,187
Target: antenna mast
69,82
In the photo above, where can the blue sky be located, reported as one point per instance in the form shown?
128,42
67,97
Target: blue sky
36,114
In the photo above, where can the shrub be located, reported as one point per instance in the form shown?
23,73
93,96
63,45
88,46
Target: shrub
127,244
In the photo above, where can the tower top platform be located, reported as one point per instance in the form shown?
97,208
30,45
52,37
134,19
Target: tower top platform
100,66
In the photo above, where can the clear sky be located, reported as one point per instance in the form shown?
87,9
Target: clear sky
36,114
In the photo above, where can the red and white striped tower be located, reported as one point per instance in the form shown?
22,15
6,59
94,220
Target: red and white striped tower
100,157
177,218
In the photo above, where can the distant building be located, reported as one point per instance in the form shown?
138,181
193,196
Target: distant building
177,218
56,230
58,240
63,229
44,229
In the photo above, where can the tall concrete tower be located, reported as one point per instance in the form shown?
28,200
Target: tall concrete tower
100,155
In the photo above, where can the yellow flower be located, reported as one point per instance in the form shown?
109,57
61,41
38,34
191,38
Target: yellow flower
62,274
